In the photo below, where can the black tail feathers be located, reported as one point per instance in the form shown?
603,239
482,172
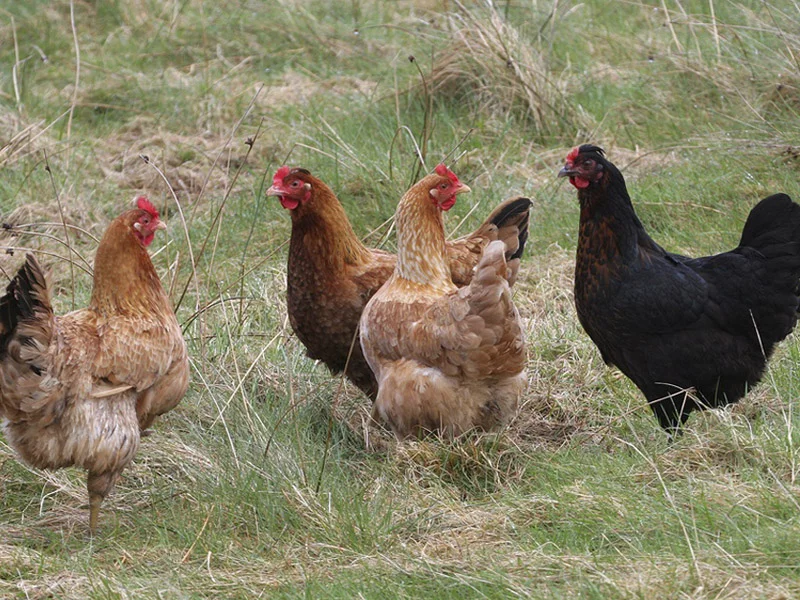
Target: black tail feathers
773,223
515,211
24,294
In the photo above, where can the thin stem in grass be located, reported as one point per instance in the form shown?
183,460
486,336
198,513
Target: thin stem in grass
147,161
188,553
218,302
20,226
417,151
15,68
250,233
330,132
783,37
250,143
258,265
241,379
220,412
787,414
715,31
452,151
77,72
29,142
668,495
58,240
427,118
67,259
225,147
292,406
301,457
384,237
63,222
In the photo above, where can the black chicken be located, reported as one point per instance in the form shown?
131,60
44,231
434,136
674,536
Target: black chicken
691,333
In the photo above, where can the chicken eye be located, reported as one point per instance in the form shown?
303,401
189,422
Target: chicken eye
443,186
295,183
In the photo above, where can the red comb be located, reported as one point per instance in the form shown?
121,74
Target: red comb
442,170
147,206
280,174
573,154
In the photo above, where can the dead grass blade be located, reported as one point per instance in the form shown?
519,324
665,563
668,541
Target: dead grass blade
63,221
74,101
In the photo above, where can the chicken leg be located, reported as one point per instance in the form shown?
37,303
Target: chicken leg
99,486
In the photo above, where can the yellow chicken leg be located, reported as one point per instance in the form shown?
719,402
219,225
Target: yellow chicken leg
95,500
99,486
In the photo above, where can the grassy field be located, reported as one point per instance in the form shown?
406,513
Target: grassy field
267,480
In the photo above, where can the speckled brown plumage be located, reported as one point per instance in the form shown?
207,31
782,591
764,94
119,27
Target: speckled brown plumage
77,389
331,275
446,359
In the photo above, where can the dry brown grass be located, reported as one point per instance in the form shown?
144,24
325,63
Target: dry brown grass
489,61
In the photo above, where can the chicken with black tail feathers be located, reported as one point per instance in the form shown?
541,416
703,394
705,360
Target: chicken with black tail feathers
691,333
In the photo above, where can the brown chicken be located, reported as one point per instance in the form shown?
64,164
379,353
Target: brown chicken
332,275
78,389
446,359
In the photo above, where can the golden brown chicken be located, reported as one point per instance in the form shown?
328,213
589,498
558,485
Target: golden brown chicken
332,275
78,389
446,359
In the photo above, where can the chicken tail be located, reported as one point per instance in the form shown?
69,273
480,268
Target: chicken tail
493,317
773,227
773,231
511,219
508,223
490,284
26,322
771,236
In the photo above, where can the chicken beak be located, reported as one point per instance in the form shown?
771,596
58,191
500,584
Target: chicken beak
567,171
463,187
160,225
274,191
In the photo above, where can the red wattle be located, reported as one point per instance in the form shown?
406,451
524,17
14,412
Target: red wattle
579,183
290,203
448,203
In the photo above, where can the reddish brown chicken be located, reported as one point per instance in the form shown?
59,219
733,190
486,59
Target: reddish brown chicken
332,275
447,360
78,389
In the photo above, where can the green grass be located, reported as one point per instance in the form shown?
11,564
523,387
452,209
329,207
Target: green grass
267,480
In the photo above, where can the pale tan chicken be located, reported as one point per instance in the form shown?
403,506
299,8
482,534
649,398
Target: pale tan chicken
446,359
78,389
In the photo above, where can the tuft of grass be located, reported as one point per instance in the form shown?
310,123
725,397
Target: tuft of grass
503,72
